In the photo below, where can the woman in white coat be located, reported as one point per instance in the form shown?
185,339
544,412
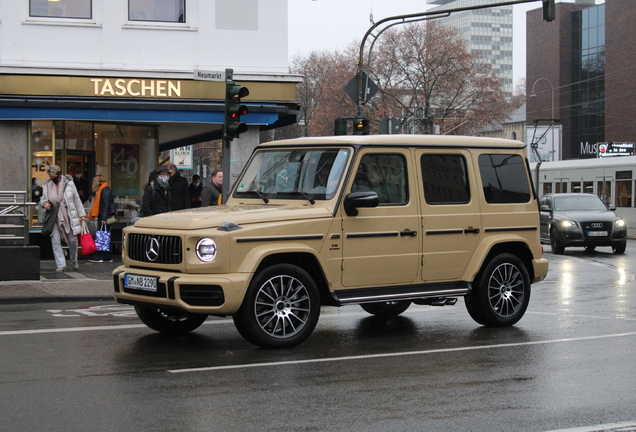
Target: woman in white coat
60,189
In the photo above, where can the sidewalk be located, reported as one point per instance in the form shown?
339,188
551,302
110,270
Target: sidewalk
93,282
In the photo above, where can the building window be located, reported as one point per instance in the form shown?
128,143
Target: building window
172,11
61,9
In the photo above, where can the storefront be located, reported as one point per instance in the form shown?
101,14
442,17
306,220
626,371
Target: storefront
118,126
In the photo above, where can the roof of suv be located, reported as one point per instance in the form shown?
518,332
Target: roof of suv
402,140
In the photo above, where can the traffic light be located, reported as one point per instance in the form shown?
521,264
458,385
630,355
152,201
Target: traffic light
234,110
340,126
549,10
360,126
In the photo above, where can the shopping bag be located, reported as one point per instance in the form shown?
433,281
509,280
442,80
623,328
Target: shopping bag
50,219
102,239
92,227
111,220
86,241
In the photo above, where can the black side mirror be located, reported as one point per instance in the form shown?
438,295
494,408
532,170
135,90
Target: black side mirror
356,200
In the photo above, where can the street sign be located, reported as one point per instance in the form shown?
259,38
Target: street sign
369,88
202,75
390,126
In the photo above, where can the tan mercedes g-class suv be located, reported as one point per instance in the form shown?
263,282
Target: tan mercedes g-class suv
381,221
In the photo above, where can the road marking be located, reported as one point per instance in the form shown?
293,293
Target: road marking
398,354
624,427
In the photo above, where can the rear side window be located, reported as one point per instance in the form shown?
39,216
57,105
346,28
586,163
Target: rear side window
445,179
504,178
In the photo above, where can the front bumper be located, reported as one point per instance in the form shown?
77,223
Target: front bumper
204,294
540,268
576,237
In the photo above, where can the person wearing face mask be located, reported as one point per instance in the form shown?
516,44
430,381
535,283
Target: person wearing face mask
195,191
60,190
81,184
156,197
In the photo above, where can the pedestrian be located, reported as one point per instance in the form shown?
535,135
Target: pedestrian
211,193
60,190
156,197
179,190
103,208
195,191
81,184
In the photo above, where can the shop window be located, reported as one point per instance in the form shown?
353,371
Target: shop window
61,9
172,11
42,150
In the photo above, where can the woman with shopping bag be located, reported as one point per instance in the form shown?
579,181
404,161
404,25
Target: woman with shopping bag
102,209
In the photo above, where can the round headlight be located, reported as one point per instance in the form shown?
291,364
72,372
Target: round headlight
206,249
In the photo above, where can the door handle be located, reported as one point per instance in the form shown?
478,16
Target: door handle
471,230
408,233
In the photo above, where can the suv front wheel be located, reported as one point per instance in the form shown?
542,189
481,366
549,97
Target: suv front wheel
500,293
280,309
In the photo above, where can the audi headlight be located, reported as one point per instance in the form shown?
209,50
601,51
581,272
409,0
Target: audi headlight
206,249
620,223
568,224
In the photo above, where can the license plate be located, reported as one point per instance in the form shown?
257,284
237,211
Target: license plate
597,233
146,283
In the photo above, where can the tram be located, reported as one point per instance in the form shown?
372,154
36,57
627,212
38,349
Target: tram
610,178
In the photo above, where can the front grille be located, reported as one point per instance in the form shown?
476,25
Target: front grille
202,295
156,249
593,226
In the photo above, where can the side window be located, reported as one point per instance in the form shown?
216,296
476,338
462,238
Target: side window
384,174
445,179
504,178
60,8
172,11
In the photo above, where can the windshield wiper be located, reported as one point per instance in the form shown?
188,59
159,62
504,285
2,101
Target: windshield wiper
261,195
309,198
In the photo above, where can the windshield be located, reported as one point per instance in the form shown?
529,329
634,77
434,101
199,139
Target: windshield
293,174
579,203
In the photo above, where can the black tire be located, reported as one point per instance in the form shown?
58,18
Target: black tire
590,248
500,293
386,309
169,322
557,247
619,248
280,309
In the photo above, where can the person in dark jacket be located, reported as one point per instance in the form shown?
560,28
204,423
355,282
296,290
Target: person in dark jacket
211,192
103,208
156,197
179,190
195,191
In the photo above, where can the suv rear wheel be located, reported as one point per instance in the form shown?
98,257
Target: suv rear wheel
280,309
501,292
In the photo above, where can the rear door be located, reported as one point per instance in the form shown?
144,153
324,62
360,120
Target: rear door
451,215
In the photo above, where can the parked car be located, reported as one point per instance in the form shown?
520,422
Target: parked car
381,221
580,219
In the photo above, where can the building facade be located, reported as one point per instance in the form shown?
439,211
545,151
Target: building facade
104,86
487,32
580,68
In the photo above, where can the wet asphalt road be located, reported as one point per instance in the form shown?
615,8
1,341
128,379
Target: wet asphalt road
570,362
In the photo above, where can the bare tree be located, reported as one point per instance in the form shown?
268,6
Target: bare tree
427,77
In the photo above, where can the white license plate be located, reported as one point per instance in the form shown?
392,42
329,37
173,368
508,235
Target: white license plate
597,233
146,283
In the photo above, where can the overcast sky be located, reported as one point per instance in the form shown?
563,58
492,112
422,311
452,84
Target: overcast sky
319,25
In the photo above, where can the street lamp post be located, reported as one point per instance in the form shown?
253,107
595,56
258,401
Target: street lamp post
534,95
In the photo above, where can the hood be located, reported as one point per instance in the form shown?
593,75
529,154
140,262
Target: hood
212,217
601,216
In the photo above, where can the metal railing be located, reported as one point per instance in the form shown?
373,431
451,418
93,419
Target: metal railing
14,217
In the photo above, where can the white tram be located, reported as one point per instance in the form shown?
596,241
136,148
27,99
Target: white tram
612,179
